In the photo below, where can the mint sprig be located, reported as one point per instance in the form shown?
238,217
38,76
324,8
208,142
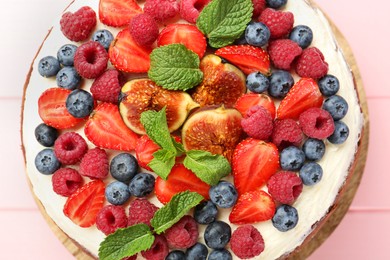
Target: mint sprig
163,162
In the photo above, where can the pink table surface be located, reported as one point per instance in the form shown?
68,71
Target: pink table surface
362,234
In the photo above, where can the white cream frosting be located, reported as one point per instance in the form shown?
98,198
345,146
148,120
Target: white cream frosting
312,205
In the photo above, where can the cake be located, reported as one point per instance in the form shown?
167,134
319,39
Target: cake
314,202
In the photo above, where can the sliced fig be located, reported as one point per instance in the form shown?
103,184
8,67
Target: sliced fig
214,129
140,95
222,83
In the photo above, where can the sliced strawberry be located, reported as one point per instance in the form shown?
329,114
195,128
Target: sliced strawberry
254,162
105,129
186,34
84,204
52,109
126,55
118,13
180,179
248,58
252,207
303,95
249,100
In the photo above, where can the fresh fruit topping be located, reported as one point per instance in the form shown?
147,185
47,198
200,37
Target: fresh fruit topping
340,134
258,7
217,235
142,184
285,187
217,254
257,82
314,149
144,29
79,103
68,78
311,173
124,48
65,54
118,13
161,10
144,151
183,234
117,193
316,123
246,101
286,218
123,167
283,52
158,250
176,255
258,123
303,95
292,158
206,212
107,87
48,66
83,206
337,107
224,194
186,34
247,242
110,218
95,164
329,85
276,4
46,135
78,26
46,162
279,23
248,58
90,60
190,9
104,37
105,129
257,34
311,64
70,147
302,35
254,162
287,132
197,251
141,211
280,83
66,181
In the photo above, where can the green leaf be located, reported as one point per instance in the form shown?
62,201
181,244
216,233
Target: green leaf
163,162
126,242
224,21
174,210
210,168
179,147
174,67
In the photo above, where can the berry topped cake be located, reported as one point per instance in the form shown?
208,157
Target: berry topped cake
191,129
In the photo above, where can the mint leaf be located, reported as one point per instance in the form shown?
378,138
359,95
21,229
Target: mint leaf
172,212
224,21
175,67
126,242
179,147
210,168
163,162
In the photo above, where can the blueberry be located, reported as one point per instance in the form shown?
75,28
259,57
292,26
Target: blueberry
176,255
117,193
142,184
224,194
46,162
46,135
257,34
48,66
340,134
220,254
79,103
205,212
68,78
336,106
310,173
302,35
276,3
197,252
292,158
123,167
285,218
217,234
329,85
257,82
314,149
280,82
104,37
65,54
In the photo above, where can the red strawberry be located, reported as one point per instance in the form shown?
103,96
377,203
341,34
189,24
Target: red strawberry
186,34
83,206
52,109
302,96
249,100
126,55
248,58
180,179
118,13
105,129
252,207
254,162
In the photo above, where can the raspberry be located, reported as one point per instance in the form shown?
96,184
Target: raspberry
78,26
287,132
141,211
283,52
107,87
66,181
161,10
144,29
110,218
95,164
90,60
258,6
279,23
183,234
133,257
159,250
190,9
70,147
317,123
258,123
285,187
246,242
311,64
